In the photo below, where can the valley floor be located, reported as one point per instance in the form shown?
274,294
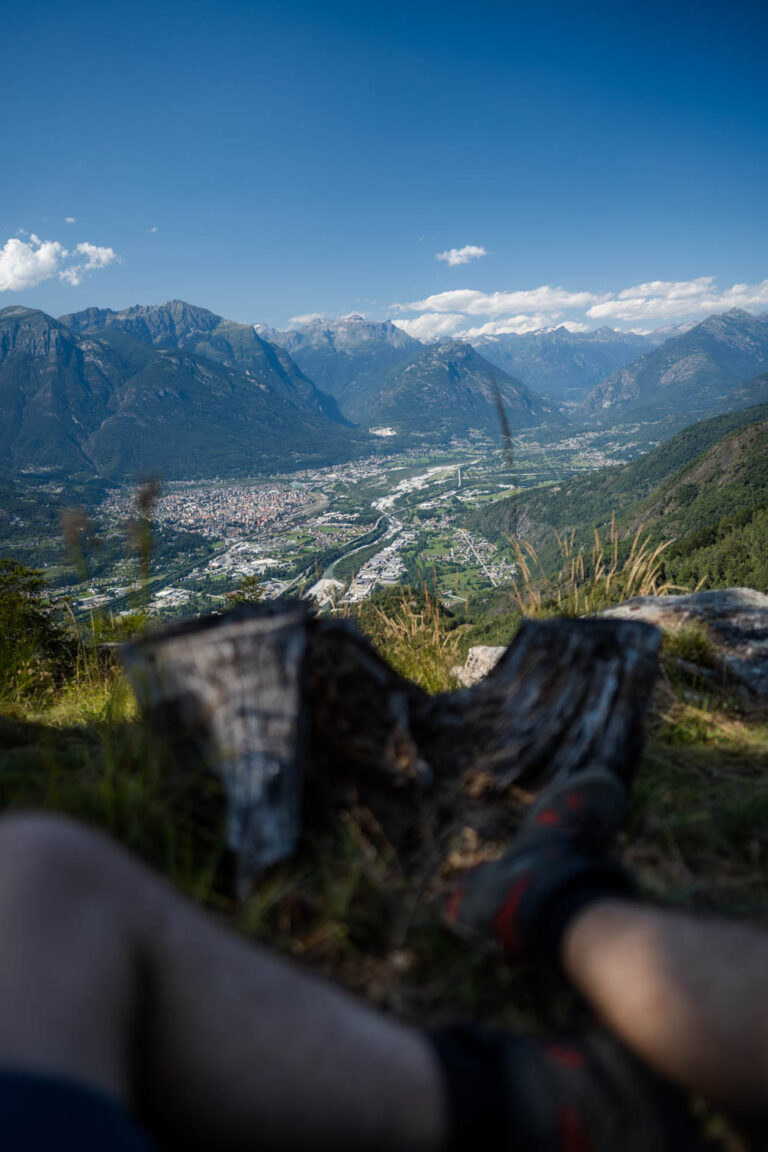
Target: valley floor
335,533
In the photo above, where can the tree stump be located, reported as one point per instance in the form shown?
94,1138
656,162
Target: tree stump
230,690
566,694
271,696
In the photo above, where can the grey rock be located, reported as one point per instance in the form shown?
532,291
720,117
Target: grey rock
735,619
480,660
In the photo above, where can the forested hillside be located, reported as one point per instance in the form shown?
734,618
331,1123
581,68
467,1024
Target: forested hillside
706,490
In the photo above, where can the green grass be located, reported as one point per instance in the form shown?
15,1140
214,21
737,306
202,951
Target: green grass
699,835
690,643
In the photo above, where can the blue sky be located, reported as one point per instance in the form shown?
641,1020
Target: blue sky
271,160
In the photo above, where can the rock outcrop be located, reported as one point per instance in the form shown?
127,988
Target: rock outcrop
480,660
735,621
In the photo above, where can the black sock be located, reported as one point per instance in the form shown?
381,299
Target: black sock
472,1066
612,882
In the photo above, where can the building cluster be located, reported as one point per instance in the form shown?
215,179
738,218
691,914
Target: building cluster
217,511
415,484
242,559
349,473
386,567
469,548
279,530
168,598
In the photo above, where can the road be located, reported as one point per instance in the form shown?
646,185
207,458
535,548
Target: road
415,483
468,540
328,572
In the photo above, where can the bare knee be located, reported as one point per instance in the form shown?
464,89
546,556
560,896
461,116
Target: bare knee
51,856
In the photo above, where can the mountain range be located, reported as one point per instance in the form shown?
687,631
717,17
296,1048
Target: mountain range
178,390
694,372
89,400
203,333
347,358
561,364
181,390
380,375
605,375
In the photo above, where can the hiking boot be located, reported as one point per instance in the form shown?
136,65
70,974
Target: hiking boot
592,1095
559,862
580,1094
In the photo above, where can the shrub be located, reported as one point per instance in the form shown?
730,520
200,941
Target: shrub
35,651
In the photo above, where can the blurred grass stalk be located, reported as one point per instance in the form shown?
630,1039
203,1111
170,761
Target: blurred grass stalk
579,589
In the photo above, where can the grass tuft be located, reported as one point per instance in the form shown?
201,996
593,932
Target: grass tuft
412,631
584,586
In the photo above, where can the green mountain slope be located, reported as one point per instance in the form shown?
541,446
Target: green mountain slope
727,479
710,507
731,553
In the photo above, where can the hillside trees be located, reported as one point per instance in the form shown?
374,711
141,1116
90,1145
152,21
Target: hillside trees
34,648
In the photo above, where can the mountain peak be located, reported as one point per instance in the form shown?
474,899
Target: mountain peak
347,333
19,310
692,371
29,331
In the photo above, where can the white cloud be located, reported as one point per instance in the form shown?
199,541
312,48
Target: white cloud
26,263
432,325
524,322
96,257
306,318
544,299
455,256
641,306
153,229
677,289
70,220
23,264
667,299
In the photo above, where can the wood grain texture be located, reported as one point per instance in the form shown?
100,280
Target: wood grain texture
271,697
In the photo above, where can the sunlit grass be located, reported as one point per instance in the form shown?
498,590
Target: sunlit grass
581,587
411,632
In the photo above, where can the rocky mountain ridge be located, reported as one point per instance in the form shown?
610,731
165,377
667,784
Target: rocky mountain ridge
115,406
347,358
452,387
381,375
694,371
561,364
237,346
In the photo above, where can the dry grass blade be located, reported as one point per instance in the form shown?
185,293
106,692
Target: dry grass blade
578,589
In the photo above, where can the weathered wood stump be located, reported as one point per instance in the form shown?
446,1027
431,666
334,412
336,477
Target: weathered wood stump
565,695
272,697
230,689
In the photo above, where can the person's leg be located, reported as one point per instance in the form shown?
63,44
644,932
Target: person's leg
688,995
109,978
